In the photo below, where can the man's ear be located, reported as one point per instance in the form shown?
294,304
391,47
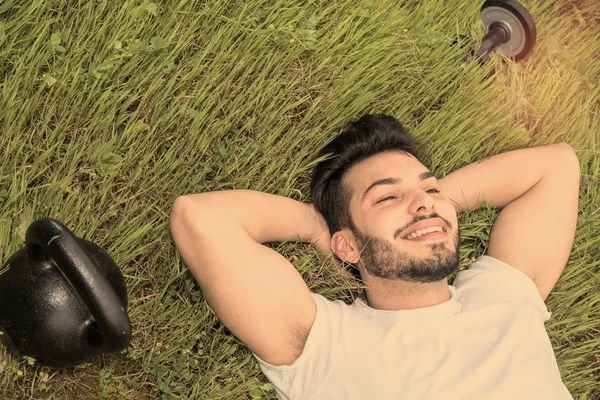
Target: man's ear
344,247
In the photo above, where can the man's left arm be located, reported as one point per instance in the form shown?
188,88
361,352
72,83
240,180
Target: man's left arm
537,189
535,233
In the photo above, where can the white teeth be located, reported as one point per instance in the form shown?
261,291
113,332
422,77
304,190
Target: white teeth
422,232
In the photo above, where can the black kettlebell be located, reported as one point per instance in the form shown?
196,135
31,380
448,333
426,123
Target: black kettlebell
64,300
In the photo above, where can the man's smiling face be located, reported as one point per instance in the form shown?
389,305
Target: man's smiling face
392,195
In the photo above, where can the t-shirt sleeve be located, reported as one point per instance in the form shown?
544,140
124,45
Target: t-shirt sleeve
491,281
308,371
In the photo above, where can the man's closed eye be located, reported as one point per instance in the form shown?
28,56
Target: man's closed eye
393,197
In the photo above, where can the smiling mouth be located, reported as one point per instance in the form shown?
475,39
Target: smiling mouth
428,236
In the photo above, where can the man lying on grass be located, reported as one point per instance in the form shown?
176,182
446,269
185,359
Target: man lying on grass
379,209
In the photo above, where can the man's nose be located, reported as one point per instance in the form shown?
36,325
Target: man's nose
422,201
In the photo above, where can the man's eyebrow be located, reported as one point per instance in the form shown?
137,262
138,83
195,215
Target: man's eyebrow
395,181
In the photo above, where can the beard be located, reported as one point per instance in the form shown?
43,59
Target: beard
384,259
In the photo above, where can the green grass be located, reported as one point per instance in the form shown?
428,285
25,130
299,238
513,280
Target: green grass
111,109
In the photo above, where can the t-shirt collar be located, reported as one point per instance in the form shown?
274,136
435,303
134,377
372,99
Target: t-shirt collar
449,307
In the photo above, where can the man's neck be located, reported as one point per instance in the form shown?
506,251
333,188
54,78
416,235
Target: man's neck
385,294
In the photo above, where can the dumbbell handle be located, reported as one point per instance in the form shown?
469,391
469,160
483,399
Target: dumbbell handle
497,35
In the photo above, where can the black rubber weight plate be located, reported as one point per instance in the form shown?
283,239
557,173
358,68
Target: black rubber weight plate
517,19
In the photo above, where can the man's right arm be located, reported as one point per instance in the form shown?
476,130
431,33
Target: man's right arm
254,291
266,217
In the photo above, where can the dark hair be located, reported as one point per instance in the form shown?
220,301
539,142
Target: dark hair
364,138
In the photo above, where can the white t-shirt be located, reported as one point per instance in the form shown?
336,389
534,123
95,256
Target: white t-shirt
487,342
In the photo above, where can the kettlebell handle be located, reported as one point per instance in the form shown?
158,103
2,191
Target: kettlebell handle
46,239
